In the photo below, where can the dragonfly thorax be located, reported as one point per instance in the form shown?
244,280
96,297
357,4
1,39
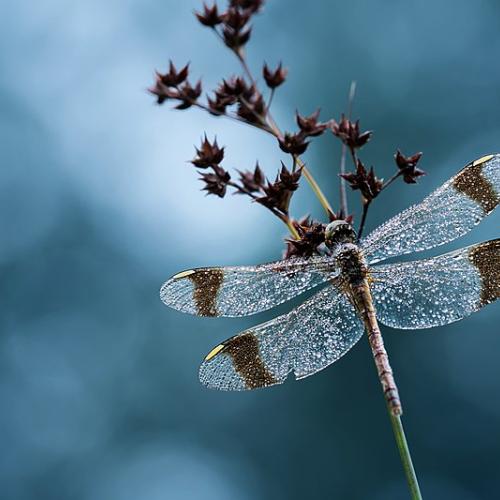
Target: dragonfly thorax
340,238
339,232
351,262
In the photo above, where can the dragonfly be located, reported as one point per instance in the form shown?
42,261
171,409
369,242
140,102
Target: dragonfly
354,292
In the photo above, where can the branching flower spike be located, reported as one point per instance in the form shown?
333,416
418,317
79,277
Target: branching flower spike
352,292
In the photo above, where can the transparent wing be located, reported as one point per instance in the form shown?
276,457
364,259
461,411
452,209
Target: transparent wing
241,291
304,341
449,212
437,291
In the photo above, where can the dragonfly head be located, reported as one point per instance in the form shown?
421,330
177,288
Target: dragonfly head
339,231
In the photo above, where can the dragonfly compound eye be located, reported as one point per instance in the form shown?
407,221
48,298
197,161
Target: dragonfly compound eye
339,231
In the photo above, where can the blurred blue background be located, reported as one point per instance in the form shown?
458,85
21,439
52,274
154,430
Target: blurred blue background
98,380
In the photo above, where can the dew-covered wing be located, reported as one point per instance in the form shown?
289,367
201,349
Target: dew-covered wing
304,341
437,291
241,291
449,212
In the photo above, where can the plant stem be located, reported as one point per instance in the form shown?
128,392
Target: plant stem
391,180
343,192
404,453
317,190
270,100
354,157
343,195
292,229
240,54
366,205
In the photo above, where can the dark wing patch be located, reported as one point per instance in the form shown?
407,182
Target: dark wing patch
471,182
486,258
244,352
206,286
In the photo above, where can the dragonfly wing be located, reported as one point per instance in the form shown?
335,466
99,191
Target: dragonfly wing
449,212
306,340
241,291
437,291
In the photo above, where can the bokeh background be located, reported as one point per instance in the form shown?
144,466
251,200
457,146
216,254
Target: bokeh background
98,380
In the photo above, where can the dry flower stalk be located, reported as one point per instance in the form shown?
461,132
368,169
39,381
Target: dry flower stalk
240,98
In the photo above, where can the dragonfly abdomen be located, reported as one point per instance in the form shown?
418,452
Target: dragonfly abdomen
364,305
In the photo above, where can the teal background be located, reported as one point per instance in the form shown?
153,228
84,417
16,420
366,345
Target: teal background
98,380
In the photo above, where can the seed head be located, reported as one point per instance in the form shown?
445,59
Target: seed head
348,132
210,16
310,126
274,78
408,166
294,144
366,181
208,154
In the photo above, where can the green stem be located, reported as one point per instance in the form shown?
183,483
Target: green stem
292,229
404,453
316,189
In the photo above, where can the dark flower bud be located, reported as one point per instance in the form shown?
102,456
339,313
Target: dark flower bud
216,182
208,155
273,198
278,193
348,132
408,166
253,181
310,126
289,180
234,87
216,106
174,78
161,91
235,39
366,181
274,78
210,16
252,109
312,235
188,95
236,19
294,144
